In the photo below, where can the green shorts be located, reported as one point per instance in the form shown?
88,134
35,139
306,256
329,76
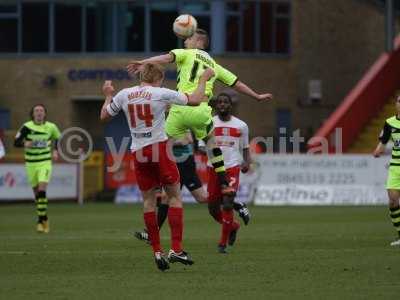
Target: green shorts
393,179
180,119
38,172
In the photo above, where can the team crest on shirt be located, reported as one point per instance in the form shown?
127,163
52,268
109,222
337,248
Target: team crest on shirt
396,143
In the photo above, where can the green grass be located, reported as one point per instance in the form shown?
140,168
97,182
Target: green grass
285,253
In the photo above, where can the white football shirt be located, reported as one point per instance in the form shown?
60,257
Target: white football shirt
232,137
144,108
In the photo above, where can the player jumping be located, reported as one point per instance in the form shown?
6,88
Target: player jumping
37,136
232,135
190,63
144,107
391,131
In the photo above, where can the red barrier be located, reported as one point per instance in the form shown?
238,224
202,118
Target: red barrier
363,102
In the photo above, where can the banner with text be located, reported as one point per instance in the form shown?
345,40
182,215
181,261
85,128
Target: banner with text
321,180
14,183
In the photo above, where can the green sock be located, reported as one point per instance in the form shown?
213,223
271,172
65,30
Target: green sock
41,206
395,217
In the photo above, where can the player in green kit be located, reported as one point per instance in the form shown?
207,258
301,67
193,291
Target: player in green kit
191,62
37,136
391,131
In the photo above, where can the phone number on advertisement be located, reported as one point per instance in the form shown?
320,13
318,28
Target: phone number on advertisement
316,178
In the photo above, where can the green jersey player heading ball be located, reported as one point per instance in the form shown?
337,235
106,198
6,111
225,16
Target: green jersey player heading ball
191,63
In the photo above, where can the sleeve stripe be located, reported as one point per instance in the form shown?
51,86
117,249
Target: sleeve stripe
236,80
173,56
231,85
113,107
110,111
112,103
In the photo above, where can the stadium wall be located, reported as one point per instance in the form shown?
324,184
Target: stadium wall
331,41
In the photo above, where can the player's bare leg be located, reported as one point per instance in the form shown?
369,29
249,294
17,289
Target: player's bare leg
200,195
175,220
150,219
394,196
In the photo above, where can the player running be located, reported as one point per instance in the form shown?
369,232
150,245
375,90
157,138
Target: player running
37,136
391,131
190,63
232,135
144,107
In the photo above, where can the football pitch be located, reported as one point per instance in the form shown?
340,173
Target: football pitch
284,253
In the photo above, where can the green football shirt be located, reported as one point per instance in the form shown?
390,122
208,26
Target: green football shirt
191,64
41,136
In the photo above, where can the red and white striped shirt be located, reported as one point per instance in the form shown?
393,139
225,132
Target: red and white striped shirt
232,137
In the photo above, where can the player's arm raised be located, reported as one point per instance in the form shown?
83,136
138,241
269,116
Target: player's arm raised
108,91
198,95
244,89
227,77
135,65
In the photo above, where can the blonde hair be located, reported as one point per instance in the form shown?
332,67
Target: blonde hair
151,73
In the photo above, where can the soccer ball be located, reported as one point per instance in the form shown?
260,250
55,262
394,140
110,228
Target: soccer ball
184,26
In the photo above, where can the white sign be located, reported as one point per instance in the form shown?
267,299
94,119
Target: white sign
321,180
128,194
319,195
14,183
131,193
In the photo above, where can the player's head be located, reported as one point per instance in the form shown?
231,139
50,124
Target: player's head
199,40
152,74
38,113
398,104
223,105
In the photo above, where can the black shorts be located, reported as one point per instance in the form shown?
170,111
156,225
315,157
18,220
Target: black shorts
188,174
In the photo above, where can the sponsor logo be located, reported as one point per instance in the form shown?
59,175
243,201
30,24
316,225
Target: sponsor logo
319,195
9,179
12,180
143,135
